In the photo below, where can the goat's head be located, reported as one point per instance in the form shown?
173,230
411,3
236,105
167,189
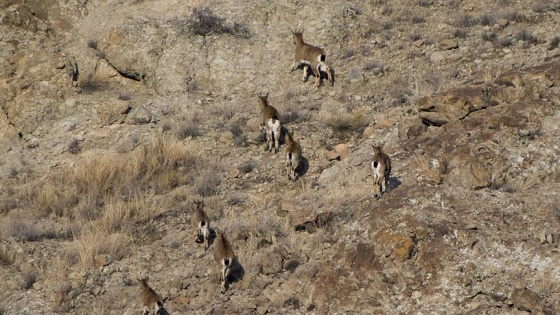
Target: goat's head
298,36
263,99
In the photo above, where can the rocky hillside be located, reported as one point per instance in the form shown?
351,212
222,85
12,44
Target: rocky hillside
117,115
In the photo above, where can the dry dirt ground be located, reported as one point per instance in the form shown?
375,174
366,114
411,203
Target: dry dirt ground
118,114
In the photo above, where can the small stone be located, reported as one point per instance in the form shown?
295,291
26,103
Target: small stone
431,176
385,123
503,22
437,56
158,267
111,112
234,173
542,237
126,144
394,244
419,43
68,107
227,137
60,65
355,75
102,260
96,290
138,116
342,149
449,44
32,143
272,262
471,226
332,155
181,300
291,265
526,300
253,124
261,283
368,132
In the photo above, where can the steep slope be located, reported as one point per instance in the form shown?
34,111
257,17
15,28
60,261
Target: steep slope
116,115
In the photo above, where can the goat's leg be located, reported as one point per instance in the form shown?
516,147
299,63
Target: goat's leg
305,73
276,141
323,66
268,141
295,64
317,73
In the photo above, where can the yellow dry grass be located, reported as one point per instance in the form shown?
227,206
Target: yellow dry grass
348,122
94,241
104,194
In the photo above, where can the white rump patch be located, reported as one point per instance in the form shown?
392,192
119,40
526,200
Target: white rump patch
376,170
274,125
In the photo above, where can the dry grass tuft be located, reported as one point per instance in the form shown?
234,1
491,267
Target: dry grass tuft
487,19
153,165
21,229
203,22
554,42
236,200
7,203
514,16
6,257
236,129
348,122
92,83
92,43
74,147
52,196
246,167
101,176
106,195
61,298
208,181
294,113
188,130
117,215
465,20
28,280
95,241
527,36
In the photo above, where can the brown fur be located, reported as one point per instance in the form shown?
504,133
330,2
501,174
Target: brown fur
293,156
315,56
270,117
380,180
149,297
224,256
201,224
